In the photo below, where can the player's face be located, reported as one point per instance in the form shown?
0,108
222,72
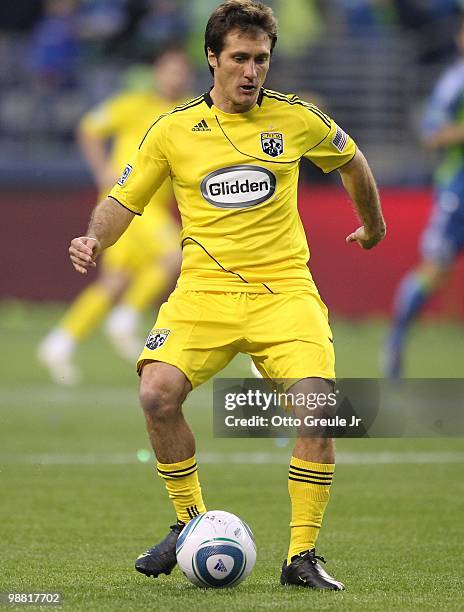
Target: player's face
240,70
173,75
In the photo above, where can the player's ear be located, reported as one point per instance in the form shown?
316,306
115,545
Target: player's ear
212,59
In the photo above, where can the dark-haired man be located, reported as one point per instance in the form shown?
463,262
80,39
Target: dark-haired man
244,286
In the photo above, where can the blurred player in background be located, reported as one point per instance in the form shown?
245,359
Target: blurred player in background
443,238
132,276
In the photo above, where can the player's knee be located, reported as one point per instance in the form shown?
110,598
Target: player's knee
159,400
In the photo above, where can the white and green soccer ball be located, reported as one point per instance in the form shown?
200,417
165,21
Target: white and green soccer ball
216,549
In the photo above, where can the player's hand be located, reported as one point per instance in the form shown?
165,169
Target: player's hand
83,251
366,240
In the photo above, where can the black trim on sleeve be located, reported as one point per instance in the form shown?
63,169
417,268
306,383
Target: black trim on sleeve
347,162
121,204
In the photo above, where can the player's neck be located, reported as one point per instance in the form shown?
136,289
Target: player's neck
226,105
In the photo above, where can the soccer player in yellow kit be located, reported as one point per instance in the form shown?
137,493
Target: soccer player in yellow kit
233,157
131,276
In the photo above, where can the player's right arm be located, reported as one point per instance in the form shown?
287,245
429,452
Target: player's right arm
108,222
139,181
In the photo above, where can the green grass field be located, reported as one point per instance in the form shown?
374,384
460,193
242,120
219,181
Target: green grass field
77,506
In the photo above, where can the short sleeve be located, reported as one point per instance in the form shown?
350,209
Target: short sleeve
333,150
145,173
106,118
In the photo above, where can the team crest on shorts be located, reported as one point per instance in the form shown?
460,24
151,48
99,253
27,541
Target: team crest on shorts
156,338
272,143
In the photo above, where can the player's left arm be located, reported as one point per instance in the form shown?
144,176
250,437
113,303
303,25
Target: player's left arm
359,182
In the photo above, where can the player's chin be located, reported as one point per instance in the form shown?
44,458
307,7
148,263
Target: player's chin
249,94
246,101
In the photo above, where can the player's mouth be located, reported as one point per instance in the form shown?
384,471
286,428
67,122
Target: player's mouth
248,90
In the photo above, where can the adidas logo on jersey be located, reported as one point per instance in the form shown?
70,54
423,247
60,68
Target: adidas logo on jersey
201,127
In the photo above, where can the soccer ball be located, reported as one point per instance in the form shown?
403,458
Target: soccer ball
216,549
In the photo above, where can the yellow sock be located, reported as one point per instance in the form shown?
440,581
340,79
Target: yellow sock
145,288
309,490
183,487
86,312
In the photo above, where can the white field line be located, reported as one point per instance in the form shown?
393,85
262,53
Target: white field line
231,458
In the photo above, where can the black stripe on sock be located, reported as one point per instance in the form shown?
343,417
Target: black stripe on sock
189,513
294,467
190,467
167,476
311,478
315,476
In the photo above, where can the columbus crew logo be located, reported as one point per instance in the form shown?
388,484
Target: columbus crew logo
272,143
156,338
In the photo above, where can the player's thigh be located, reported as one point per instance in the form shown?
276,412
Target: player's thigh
295,340
196,332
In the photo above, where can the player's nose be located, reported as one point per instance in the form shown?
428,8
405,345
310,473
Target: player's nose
250,70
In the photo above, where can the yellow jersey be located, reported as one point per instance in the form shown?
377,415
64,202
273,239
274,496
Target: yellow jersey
235,179
124,119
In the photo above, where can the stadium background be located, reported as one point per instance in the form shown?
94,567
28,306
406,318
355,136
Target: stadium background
70,460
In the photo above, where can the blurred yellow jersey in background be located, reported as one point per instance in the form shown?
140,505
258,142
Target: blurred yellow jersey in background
124,120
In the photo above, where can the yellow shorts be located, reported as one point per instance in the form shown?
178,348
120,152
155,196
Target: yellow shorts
145,239
199,332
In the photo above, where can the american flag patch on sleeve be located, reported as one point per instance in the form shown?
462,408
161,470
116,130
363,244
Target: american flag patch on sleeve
340,139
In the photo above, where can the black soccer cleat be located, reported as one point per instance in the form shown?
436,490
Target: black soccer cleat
161,559
305,571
